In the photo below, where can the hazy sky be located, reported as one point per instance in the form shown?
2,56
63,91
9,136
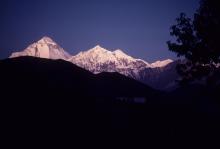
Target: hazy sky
138,27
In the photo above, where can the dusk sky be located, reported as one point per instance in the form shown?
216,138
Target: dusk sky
138,27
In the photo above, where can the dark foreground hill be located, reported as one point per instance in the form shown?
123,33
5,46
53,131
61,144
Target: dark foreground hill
58,103
29,76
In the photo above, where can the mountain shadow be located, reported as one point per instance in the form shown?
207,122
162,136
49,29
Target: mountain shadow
36,76
54,100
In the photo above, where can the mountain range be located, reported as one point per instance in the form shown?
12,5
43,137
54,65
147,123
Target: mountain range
44,95
160,74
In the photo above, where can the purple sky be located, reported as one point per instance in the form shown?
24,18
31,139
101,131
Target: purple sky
139,27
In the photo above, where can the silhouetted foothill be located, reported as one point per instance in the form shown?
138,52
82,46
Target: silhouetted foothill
25,75
45,99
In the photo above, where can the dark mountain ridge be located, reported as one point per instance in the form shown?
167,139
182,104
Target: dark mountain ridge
53,76
56,100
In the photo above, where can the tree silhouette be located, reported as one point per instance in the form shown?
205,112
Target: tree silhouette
198,42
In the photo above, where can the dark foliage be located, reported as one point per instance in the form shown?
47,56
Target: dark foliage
198,41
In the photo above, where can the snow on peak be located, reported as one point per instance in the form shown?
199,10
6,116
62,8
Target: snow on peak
44,48
98,49
161,63
99,59
47,40
99,54
108,55
120,53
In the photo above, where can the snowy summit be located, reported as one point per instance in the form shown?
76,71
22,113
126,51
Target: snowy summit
161,63
44,48
99,59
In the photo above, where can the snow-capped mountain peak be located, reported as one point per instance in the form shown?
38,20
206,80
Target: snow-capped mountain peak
119,53
99,47
99,59
46,40
104,54
98,50
44,48
161,63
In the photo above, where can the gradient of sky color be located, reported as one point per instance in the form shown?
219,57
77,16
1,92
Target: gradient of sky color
138,27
